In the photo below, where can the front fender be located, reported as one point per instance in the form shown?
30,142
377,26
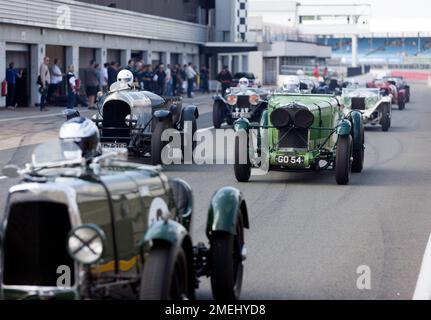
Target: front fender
241,124
223,211
169,231
344,127
219,98
357,129
162,114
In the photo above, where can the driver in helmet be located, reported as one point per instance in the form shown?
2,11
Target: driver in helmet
244,83
125,76
291,84
85,134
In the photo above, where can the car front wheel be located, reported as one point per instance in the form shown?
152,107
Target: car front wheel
157,144
165,275
343,163
218,114
242,166
227,268
386,119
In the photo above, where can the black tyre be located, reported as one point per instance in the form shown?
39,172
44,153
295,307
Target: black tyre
401,103
242,170
386,118
165,275
157,144
407,95
343,163
359,153
227,267
218,114
194,143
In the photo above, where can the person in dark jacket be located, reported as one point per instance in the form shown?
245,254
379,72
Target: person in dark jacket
160,79
112,73
225,78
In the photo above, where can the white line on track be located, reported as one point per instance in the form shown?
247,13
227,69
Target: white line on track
3,178
205,129
423,285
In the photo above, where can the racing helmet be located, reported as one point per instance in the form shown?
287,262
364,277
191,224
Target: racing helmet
244,83
300,72
291,84
125,76
85,134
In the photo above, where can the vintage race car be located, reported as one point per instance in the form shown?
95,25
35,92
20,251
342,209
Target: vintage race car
135,120
111,229
401,84
375,108
301,133
239,102
389,88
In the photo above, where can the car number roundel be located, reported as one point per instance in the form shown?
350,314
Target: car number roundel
158,208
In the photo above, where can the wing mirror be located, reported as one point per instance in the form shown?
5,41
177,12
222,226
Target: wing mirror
11,171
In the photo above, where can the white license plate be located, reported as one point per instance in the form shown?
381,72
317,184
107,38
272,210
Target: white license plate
291,160
114,147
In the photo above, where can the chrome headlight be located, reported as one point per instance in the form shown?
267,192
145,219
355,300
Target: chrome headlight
97,119
85,244
131,120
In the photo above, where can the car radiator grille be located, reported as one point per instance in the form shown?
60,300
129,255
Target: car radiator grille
293,138
358,103
35,244
243,102
114,115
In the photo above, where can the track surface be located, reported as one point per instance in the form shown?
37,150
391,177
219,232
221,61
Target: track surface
308,236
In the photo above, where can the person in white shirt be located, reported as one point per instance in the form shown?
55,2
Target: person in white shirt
71,87
191,75
56,80
104,77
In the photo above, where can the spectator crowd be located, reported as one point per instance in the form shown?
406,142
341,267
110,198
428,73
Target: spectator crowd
64,87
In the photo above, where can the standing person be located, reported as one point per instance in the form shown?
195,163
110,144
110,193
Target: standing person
204,73
132,68
316,72
147,78
325,73
183,78
45,80
225,78
56,80
71,87
191,76
112,73
174,75
11,75
104,77
91,84
169,90
160,77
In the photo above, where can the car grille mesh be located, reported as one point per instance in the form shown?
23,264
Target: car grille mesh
293,138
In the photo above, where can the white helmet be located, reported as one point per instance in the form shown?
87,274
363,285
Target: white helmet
300,72
291,84
244,83
125,76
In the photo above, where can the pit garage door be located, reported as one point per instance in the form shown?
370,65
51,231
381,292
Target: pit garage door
19,54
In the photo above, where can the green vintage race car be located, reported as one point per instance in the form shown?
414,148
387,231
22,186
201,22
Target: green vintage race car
110,229
301,132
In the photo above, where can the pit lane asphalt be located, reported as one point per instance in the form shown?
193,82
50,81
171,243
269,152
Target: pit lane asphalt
308,236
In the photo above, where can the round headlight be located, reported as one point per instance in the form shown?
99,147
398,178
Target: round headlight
131,120
303,119
232,100
85,244
280,118
254,99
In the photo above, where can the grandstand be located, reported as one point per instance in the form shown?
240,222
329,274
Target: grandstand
391,50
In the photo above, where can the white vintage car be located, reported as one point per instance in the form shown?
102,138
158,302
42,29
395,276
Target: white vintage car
375,108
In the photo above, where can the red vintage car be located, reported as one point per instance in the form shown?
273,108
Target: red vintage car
388,86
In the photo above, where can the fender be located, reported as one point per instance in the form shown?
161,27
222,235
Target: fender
190,113
344,127
241,124
162,114
223,211
356,120
169,231
219,98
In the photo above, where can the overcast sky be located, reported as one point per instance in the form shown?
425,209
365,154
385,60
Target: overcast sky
393,15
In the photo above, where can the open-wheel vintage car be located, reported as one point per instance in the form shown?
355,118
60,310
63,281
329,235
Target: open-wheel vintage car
103,228
375,108
301,133
246,102
388,87
135,120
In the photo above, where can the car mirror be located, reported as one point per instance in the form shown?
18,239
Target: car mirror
11,171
